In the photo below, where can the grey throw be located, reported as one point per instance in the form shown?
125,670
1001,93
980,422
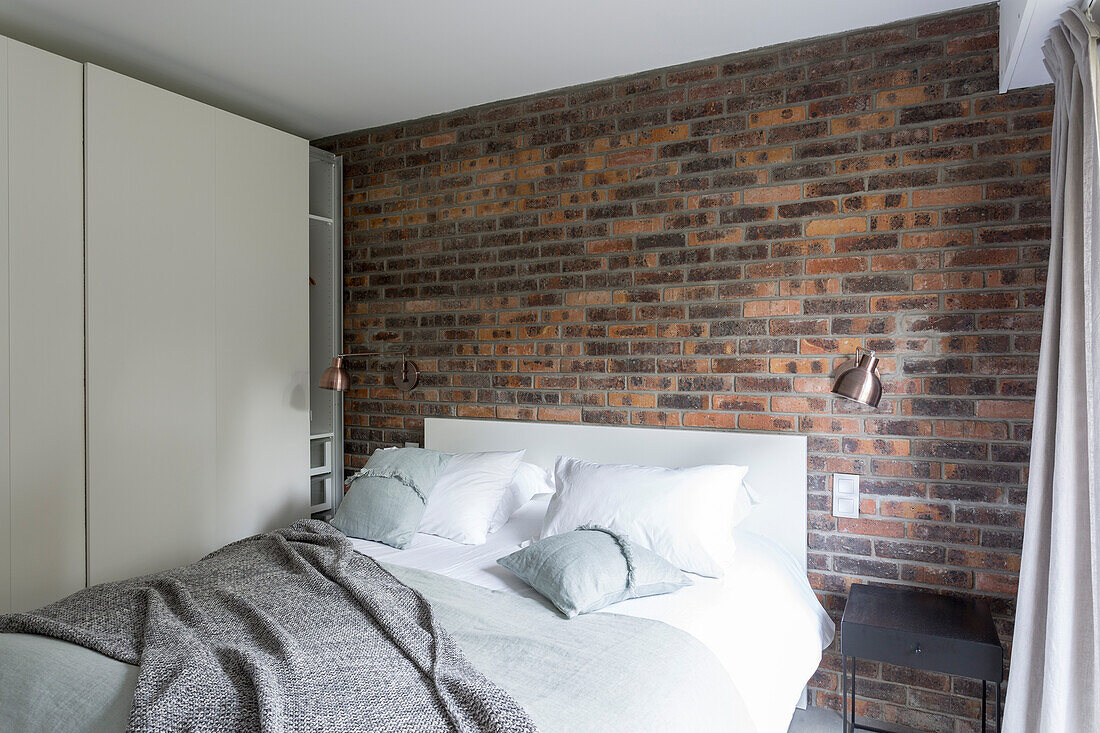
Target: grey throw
286,631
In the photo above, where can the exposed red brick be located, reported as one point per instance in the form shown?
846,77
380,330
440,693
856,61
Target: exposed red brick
702,247
847,225
874,527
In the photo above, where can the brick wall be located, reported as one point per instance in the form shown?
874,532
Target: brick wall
701,246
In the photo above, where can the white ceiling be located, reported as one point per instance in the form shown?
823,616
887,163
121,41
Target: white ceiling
320,67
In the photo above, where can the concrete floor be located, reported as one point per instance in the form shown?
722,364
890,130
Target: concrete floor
815,720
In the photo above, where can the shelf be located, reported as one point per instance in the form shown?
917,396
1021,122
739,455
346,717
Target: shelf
320,457
326,339
321,494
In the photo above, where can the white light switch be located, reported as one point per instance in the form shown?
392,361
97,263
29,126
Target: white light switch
846,495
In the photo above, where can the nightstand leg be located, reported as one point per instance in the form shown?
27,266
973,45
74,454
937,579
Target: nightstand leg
984,685
844,691
853,694
998,704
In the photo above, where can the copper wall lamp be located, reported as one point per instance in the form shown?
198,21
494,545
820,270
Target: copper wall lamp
405,375
860,383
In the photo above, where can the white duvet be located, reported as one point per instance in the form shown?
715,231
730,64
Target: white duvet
761,619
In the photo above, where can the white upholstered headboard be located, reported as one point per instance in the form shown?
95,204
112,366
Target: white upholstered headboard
777,463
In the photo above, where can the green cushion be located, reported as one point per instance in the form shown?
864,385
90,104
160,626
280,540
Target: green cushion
387,500
591,567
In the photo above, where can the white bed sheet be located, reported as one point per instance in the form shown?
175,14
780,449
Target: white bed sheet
762,619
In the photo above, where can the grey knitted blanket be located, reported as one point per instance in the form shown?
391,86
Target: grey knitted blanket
286,631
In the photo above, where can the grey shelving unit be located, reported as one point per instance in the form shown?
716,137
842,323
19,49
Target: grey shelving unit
326,330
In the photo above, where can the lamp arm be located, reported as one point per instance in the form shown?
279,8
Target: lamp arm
374,353
404,378
378,353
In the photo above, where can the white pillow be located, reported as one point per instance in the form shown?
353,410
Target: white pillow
464,500
528,481
685,515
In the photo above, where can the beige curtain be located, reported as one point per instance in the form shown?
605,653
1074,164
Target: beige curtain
1054,681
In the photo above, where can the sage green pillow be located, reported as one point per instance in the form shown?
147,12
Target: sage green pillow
592,567
387,499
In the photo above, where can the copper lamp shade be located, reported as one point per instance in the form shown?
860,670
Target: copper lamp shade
336,377
860,383
405,374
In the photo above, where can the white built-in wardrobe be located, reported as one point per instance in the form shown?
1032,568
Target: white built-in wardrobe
41,327
155,381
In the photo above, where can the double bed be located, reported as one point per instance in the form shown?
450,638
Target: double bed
729,653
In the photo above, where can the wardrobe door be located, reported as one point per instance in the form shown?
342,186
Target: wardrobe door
46,325
262,325
151,379
5,379
41,328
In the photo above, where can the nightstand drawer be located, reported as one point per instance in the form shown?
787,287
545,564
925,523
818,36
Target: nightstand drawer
933,653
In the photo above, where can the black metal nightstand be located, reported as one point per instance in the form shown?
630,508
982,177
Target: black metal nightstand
913,628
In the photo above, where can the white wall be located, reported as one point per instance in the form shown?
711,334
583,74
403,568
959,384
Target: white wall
1025,27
